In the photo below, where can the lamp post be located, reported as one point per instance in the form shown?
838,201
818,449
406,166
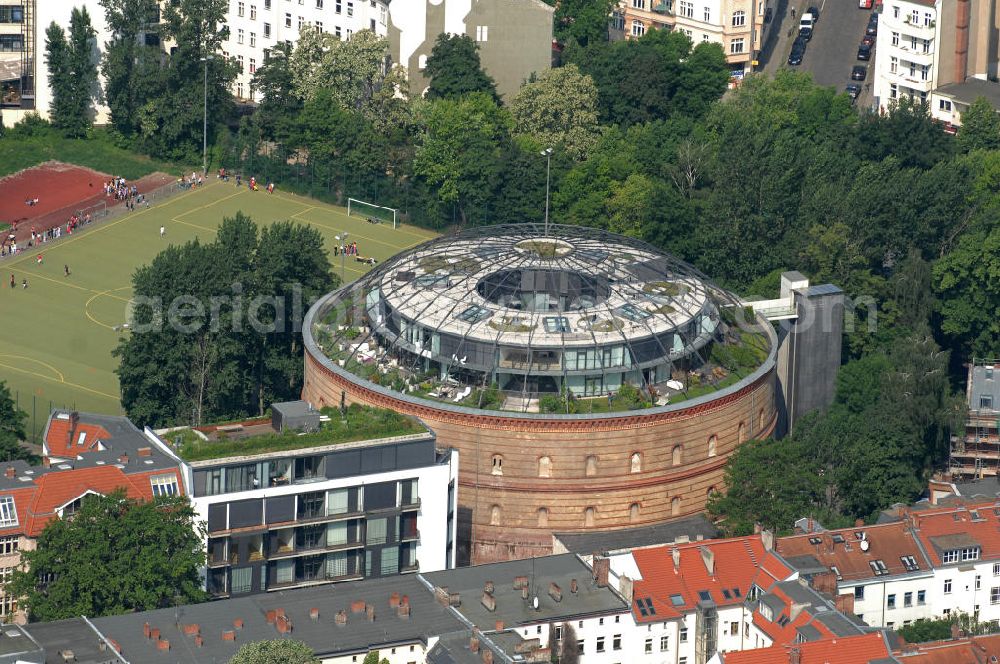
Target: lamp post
547,153
342,238
204,124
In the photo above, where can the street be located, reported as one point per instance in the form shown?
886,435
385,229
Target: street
832,52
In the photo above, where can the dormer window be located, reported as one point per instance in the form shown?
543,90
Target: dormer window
964,555
8,513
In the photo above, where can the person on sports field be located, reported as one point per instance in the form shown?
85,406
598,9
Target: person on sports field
163,231
66,269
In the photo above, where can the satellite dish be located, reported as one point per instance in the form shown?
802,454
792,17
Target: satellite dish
864,545
534,602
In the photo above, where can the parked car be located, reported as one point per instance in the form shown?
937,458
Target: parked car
853,90
805,34
814,12
868,39
864,51
798,51
768,14
864,4
807,21
872,28
859,72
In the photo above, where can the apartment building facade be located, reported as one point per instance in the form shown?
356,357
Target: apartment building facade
975,452
83,454
323,513
907,49
257,26
735,24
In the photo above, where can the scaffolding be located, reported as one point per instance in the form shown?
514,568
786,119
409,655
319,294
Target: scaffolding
975,453
28,55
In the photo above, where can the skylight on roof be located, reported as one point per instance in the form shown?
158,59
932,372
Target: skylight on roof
815,541
838,538
555,324
645,606
633,312
726,593
474,314
836,571
783,620
737,593
878,567
705,595
910,563
677,600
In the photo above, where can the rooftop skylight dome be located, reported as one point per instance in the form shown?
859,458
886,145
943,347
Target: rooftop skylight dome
519,317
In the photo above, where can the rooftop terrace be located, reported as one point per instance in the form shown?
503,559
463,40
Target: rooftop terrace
358,423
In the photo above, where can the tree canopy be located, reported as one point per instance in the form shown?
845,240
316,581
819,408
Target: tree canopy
454,69
114,555
215,331
559,109
12,430
276,651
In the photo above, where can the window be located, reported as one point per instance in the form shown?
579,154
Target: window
319,4
736,46
350,8
482,33
337,7
675,506
859,592
497,465
915,16
739,19
923,72
253,39
319,26
588,517
616,641
543,517
164,485
253,12
713,440
910,563
878,567
893,64
683,636
635,463
986,401
591,466
947,586
639,4
600,644
302,22
687,9
638,28
239,36
664,643
648,646
706,15
545,467
734,629
9,544
267,31
676,455
927,19
895,11
979,582
921,597
376,531
633,512
288,20
267,4
495,515
893,91
8,514
895,39
239,9
241,580
253,65
10,14
926,47
907,599
890,601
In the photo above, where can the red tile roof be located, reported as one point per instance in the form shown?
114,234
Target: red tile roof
843,650
36,504
975,650
738,565
59,443
886,542
788,632
978,523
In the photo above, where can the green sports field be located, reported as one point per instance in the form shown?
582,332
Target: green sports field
57,335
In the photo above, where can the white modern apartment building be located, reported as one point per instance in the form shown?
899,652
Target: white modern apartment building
906,50
331,510
256,26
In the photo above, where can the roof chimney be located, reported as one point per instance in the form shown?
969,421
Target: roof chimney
498,625
488,587
370,613
74,419
145,451
474,645
488,601
393,600
46,462
675,553
520,582
341,618
314,613
708,557
229,635
602,569
767,539
357,606
555,592
573,587
403,611
123,458
794,656
145,630
10,472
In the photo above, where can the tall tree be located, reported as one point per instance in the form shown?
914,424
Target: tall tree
12,430
63,107
131,62
116,555
215,330
559,109
459,151
83,58
274,81
454,69
581,22
275,651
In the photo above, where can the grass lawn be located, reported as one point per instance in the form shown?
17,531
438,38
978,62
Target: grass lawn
98,153
58,334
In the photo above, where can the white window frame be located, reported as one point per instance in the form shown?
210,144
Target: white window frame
161,484
736,46
8,512
739,18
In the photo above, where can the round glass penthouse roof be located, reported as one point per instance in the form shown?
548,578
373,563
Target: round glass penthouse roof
515,313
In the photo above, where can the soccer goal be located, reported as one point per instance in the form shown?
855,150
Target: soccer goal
371,211
95,212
